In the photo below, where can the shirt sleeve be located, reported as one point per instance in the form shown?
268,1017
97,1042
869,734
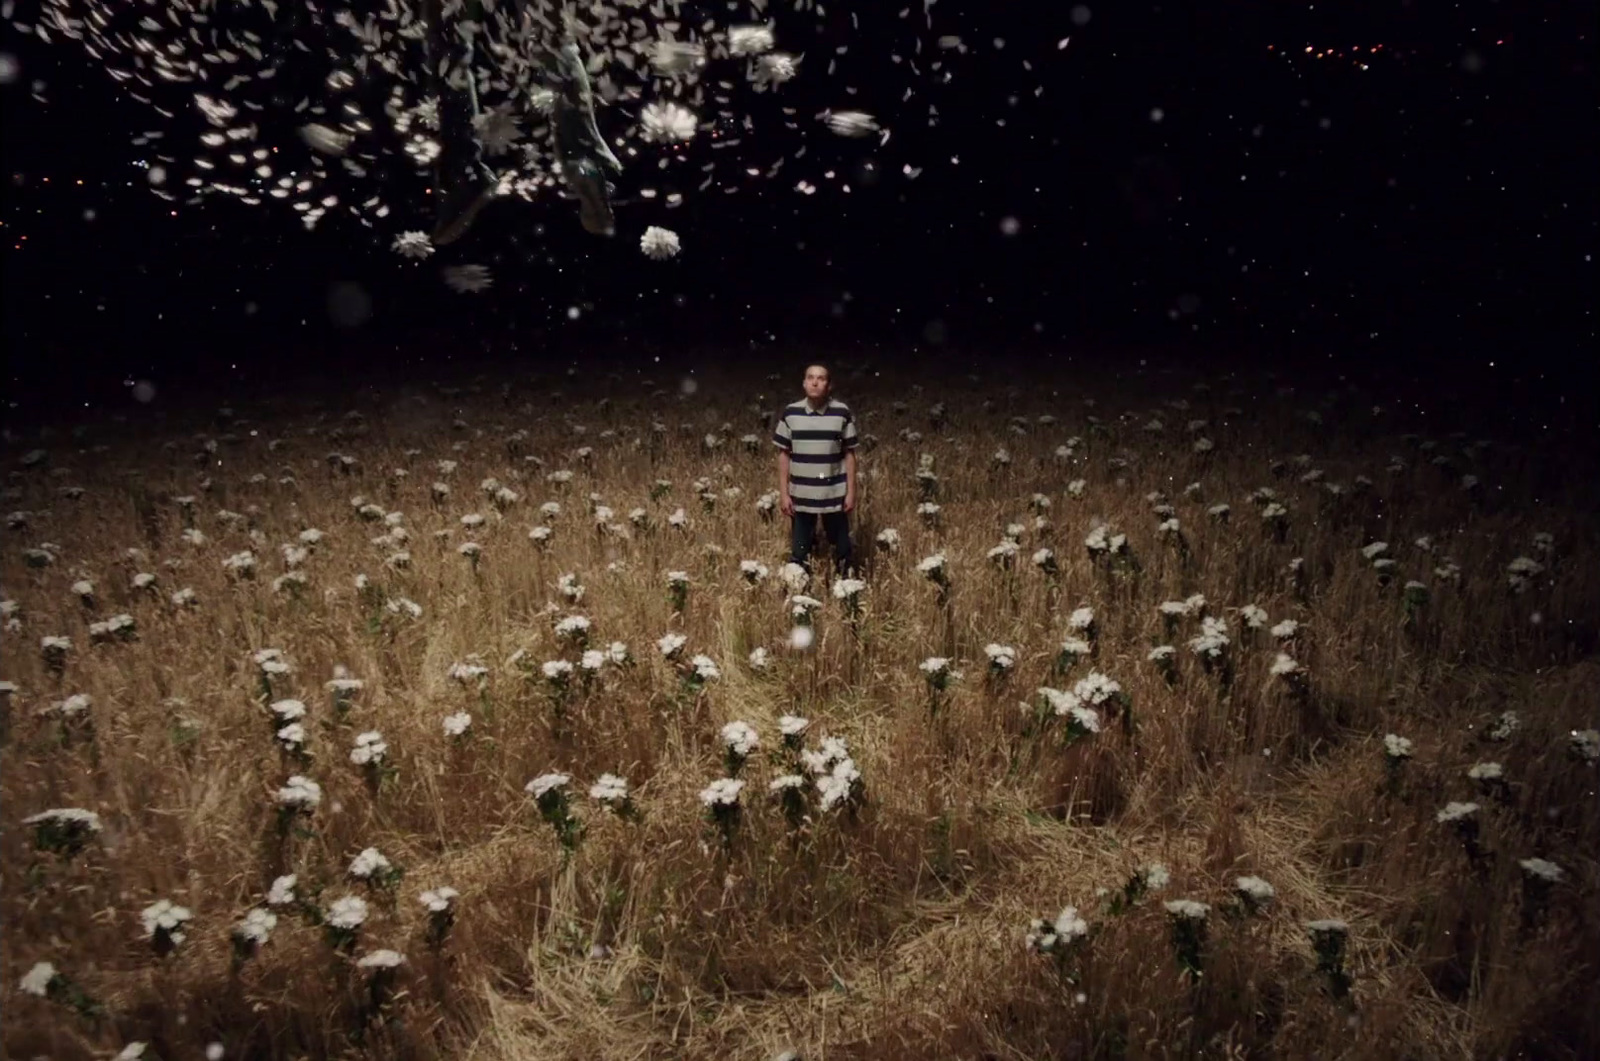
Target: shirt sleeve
851,440
780,434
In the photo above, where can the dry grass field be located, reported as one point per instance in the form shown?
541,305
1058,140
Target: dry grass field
1374,711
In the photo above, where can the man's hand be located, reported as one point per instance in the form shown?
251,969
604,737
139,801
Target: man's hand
786,505
850,500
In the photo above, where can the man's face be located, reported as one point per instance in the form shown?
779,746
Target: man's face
816,383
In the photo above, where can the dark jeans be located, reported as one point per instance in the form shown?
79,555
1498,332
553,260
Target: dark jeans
803,537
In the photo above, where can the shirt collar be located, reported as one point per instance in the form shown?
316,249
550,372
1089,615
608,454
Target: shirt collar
806,401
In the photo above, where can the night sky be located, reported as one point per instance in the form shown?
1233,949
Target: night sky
1391,180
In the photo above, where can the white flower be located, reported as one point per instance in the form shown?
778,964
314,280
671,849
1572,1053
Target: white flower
836,786
381,959
132,1052
617,652
705,668
1536,868
369,748
1161,654
592,660
1187,908
609,788
1068,926
793,725
775,68
723,792
457,724
934,665
1081,619
467,279
671,644
851,123
750,40
546,783
1096,688
931,565
1397,747
165,916
256,927
438,900
786,781
1485,772
1284,665
292,736
1212,639
288,710
1507,724
794,576
300,793
1376,549
846,588
889,538
282,891
740,738
760,658
557,670
1332,925
37,980
1155,876
1285,630
413,244
667,123
348,913
1454,812
1254,618
1002,656
1254,889
659,243
369,862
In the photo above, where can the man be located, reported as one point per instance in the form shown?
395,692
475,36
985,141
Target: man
816,440
465,185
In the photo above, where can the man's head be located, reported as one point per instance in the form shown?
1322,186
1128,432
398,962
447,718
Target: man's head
818,383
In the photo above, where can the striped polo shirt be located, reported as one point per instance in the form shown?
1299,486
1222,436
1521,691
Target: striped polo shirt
816,442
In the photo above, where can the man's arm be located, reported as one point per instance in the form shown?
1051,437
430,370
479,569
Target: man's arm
849,479
783,482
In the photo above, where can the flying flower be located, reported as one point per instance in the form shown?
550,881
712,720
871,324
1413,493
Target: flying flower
415,245
667,123
467,279
659,243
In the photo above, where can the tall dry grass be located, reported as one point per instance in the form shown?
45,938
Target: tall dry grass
892,930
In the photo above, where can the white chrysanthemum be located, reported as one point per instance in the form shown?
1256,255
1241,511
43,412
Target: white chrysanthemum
794,576
609,788
1285,665
414,244
750,40
846,588
1255,889
760,658
1455,811
1396,746
369,748
163,915
1096,688
382,959
705,668
36,981
457,724
753,570
288,710
256,927
467,279
1187,909
1081,619
723,792
300,793
557,670
1485,772
546,783
667,123
740,738
659,243
889,538
851,123
836,786
1002,656
793,725
1540,869
785,782
671,644
438,900
1069,926
934,665
282,891
369,862
1332,925
931,565
592,660
1212,640
775,68
292,736
1156,876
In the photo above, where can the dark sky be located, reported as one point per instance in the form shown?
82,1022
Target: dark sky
1190,176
